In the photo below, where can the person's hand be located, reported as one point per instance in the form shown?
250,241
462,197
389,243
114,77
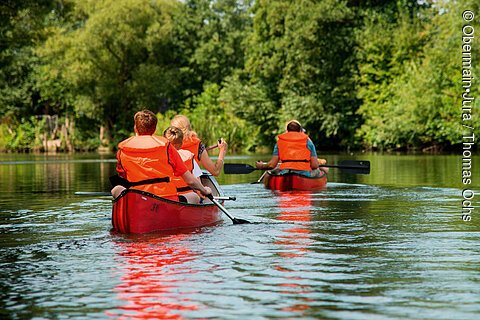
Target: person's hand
259,164
322,161
222,145
205,193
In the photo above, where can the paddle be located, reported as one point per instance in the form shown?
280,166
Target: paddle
348,166
93,194
214,146
211,147
234,220
108,194
260,179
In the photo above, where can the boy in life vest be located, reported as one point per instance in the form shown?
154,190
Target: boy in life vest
185,193
150,163
294,152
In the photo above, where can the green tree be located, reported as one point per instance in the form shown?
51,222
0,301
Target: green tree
209,41
410,80
117,59
317,85
22,25
253,91
251,103
299,60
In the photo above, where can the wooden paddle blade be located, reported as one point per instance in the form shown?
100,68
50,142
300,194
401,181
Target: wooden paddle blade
237,168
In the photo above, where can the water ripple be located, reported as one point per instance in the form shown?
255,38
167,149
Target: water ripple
352,251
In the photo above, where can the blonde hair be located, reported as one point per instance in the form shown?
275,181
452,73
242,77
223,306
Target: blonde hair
182,122
174,135
145,122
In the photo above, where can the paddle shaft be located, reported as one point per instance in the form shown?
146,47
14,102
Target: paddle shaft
337,166
211,147
261,177
93,194
214,146
108,194
234,220
222,208
351,166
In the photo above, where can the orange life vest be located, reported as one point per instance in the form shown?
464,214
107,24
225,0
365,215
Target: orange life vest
293,152
180,184
143,158
192,144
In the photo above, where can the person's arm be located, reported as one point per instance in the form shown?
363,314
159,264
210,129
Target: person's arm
272,164
120,170
179,169
269,165
313,155
215,168
314,163
195,184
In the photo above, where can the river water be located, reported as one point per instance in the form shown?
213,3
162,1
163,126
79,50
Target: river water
389,245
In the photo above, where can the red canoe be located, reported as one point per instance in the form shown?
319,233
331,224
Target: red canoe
137,211
293,181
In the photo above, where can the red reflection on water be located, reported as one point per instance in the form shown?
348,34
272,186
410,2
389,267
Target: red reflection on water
295,207
151,270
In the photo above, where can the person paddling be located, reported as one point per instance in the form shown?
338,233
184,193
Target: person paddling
150,163
192,143
294,152
185,193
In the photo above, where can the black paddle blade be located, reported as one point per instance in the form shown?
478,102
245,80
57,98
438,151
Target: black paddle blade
351,166
240,221
237,168
356,166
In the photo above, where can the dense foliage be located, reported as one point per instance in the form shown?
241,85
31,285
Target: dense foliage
357,74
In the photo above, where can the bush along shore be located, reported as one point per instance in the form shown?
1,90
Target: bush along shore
358,75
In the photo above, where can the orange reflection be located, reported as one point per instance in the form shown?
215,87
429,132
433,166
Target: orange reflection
151,267
295,207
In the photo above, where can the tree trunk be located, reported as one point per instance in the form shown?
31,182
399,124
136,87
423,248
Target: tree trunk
104,139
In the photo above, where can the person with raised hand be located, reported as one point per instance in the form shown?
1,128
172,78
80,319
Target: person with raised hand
192,143
149,162
185,193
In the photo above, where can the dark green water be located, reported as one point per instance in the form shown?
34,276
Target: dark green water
390,245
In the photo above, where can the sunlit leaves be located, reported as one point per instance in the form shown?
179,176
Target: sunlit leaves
410,79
